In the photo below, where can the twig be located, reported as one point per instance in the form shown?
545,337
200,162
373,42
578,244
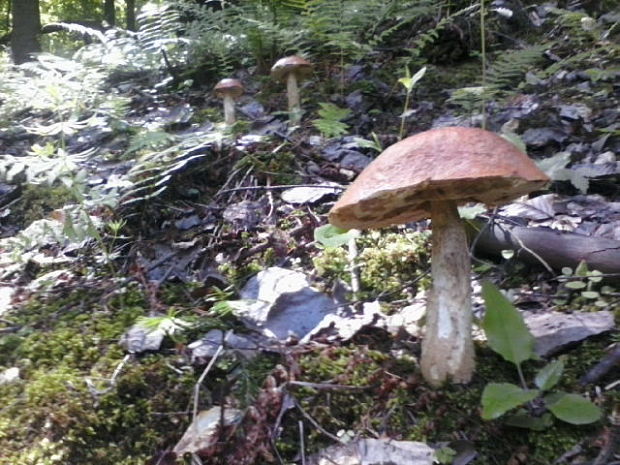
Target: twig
301,443
201,379
273,188
327,386
315,423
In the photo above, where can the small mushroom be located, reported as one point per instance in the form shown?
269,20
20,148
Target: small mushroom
229,90
427,176
292,69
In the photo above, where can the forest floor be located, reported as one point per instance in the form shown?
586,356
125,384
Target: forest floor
131,263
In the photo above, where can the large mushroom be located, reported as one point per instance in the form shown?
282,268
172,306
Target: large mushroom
427,176
229,90
292,69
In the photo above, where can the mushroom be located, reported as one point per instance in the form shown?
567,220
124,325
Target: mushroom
427,176
229,90
292,69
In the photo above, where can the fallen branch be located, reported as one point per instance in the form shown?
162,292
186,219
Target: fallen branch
556,248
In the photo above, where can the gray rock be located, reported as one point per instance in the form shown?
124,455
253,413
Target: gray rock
540,137
282,304
375,452
555,330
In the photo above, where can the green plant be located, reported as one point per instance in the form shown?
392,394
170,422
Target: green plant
329,123
409,82
585,282
508,335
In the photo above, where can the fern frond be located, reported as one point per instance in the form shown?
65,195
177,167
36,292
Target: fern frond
76,28
509,68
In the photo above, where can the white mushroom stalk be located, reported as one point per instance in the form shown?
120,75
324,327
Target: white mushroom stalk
229,109
448,310
292,93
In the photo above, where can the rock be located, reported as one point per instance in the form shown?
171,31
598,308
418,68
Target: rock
575,112
375,452
203,432
538,138
555,330
10,375
252,109
353,160
205,348
282,304
307,194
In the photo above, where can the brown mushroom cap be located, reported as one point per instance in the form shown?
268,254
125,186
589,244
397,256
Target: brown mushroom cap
232,87
286,65
453,163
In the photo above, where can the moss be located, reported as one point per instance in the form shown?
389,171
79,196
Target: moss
38,201
66,343
391,264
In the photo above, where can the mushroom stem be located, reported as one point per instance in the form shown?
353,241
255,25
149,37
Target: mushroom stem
447,348
292,91
229,109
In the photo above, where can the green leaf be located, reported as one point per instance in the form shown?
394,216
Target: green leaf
504,327
522,419
332,236
590,294
409,82
572,408
549,375
471,211
498,398
575,284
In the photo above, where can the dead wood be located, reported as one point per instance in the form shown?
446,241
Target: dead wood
556,248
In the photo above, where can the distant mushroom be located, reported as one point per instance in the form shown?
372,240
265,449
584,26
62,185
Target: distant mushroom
292,69
229,90
427,176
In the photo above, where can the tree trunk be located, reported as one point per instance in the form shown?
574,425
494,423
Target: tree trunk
109,13
130,13
26,27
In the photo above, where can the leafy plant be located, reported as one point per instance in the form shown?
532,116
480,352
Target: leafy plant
329,123
585,282
332,236
408,82
508,335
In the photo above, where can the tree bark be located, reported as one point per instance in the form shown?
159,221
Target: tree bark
130,14
26,27
556,249
109,12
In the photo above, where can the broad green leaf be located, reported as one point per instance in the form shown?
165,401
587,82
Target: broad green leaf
575,284
498,398
522,419
504,327
332,236
549,375
419,75
572,408
590,294
409,82
471,211
595,276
